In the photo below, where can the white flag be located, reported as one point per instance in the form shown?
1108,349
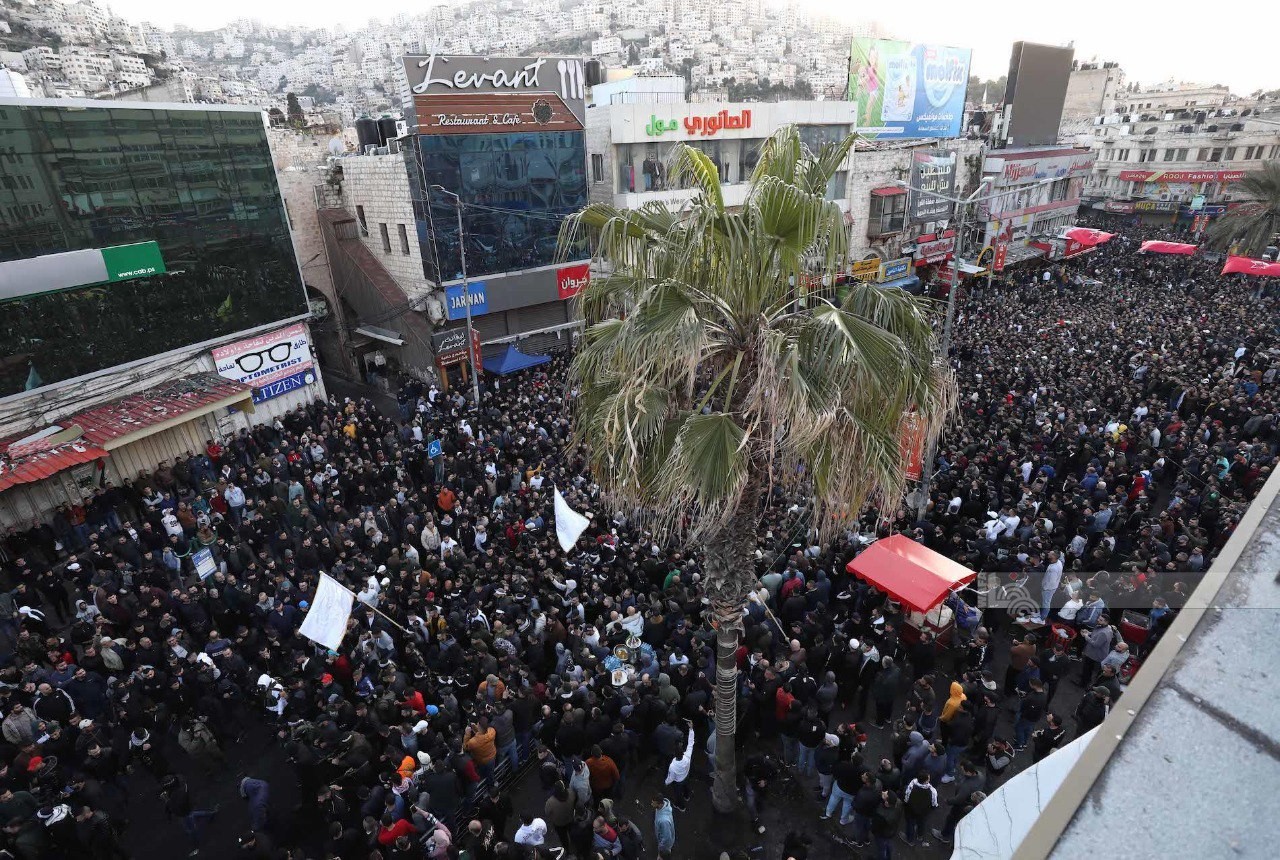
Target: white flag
569,523
326,621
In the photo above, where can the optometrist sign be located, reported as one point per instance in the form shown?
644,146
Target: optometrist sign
274,363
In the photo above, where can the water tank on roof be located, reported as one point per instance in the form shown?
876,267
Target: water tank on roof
367,132
386,129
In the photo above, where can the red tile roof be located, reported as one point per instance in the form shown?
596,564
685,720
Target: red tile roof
39,462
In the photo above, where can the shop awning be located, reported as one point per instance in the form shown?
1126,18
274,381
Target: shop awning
512,360
888,191
385,335
914,575
905,283
27,464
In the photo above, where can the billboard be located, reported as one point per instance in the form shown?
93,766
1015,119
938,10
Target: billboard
1035,91
932,174
463,94
273,363
907,90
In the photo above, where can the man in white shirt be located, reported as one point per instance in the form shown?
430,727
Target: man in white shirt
678,772
1049,584
532,831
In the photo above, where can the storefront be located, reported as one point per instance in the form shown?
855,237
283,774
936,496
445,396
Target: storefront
1038,193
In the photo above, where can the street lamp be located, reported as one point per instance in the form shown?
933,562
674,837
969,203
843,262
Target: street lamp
962,204
466,295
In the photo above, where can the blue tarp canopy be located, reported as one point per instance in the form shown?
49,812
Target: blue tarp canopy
513,360
902,283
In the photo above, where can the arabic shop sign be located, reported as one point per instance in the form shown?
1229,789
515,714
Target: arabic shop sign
704,126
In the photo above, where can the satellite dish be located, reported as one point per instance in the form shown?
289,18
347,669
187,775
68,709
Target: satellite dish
336,146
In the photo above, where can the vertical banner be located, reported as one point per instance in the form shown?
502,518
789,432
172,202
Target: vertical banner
911,445
1002,251
933,179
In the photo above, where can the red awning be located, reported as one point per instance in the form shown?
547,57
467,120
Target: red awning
914,575
888,190
35,463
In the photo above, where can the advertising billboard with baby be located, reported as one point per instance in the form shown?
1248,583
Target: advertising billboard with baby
907,90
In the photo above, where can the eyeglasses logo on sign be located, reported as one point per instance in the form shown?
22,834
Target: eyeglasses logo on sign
273,363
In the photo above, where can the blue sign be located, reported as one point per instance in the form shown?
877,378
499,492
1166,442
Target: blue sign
301,379
903,90
457,303
205,565
891,270
435,448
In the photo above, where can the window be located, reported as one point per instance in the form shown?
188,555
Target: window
597,167
404,239
888,213
364,225
1231,154
1182,154
386,238
1170,154
1203,154
1215,154
1248,153
1146,155
1058,190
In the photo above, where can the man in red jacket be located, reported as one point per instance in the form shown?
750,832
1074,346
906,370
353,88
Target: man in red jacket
391,830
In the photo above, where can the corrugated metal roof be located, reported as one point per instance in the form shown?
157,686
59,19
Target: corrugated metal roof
128,415
26,460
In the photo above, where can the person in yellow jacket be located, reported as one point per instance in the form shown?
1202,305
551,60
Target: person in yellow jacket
952,704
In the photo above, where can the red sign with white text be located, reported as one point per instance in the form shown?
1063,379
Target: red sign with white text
1002,252
1247,266
571,279
1181,175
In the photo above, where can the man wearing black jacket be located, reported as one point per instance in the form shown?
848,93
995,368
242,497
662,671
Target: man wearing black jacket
1046,740
1054,665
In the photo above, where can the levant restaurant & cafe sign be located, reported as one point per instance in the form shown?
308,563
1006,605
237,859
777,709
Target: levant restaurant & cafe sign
459,94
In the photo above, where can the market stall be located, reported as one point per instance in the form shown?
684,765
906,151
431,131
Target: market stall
916,577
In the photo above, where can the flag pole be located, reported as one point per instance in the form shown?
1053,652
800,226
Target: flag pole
362,603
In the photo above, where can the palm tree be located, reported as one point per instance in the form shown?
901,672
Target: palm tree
707,379
1254,225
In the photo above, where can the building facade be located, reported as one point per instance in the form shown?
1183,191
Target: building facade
1034,195
146,269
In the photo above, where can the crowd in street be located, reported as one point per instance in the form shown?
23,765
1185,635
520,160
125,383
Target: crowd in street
1115,421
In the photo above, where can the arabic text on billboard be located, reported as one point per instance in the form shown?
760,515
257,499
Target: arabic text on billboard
933,179
907,90
273,363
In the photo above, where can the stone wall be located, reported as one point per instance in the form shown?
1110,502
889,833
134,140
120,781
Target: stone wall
378,186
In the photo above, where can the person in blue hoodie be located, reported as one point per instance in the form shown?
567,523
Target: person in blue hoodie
664,825
257,793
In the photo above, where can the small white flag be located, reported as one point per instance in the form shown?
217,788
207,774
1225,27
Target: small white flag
569,523
326,621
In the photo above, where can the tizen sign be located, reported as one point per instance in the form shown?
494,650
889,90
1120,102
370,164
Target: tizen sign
434,75
571,279
456,300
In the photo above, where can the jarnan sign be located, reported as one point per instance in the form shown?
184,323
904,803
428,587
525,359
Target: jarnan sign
435,75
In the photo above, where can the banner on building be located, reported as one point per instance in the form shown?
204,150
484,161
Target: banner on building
571,279
326,619
911,446
933,179
1001,254
904,90
273,363
1181,175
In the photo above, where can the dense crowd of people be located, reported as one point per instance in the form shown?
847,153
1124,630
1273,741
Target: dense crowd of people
1115,421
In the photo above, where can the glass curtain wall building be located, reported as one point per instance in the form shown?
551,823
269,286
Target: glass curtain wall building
198,183
516,189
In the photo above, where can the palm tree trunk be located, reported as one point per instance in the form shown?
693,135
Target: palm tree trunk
730,575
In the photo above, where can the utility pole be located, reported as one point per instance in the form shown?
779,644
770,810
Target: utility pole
466,297
944,350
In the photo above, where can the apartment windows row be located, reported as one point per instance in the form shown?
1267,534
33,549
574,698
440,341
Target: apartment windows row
384,233
1183,153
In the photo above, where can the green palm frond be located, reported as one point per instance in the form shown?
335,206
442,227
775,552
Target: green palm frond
1252,225
703,377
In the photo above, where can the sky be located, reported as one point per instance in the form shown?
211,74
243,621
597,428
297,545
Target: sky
1152,42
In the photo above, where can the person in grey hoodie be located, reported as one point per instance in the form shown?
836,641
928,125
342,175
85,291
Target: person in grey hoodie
967,782
1097,645
913,758
664,825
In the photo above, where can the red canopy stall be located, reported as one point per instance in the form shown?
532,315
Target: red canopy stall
916,577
